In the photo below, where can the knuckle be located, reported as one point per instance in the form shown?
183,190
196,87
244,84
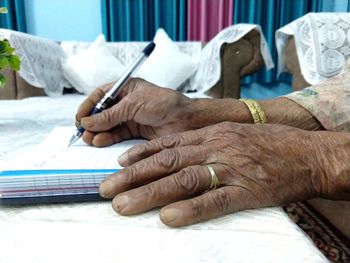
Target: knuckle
106,117
84,109
151,191
131,176
168,158
226,126
127,107
128,99
96,95
139,151
109,117
168,141
187,180
108,86
222,200
135,83
77,115
196,209
222,129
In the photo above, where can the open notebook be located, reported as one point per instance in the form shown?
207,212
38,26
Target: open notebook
54,172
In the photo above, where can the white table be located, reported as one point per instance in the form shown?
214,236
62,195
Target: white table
93,232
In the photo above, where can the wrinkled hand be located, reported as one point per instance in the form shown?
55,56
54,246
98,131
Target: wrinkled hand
148,111
257,165
143,110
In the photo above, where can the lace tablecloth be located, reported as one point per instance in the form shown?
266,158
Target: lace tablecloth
209,69
40,61
93,232
322,42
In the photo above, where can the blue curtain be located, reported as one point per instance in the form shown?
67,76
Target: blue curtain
15,18
138,20
272,15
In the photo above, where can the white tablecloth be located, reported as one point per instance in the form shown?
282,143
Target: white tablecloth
93,232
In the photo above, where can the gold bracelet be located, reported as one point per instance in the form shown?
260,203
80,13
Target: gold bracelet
256,110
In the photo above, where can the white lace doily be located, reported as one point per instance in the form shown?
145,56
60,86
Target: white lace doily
209,69
40,60
322,42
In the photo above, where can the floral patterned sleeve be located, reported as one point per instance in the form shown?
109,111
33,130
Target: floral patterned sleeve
328,101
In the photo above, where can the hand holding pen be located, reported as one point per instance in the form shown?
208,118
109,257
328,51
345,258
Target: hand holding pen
111,95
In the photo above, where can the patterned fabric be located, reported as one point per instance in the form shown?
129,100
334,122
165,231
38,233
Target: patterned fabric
209,69
333,244
328,101
40,61
322,43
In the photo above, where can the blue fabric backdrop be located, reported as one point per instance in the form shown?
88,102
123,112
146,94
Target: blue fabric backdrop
15,18
137,20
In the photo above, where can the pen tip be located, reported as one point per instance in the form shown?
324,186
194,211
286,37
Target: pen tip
73,140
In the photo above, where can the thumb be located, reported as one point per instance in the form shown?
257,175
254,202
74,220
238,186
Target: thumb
109,118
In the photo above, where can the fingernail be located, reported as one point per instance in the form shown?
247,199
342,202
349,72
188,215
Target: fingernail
87,122
170,214
106,188
123,159
120,202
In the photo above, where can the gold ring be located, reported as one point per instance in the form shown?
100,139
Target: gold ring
215,183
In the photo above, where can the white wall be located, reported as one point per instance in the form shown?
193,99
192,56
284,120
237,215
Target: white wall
64,19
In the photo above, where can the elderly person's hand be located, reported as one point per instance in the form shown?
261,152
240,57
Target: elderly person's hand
148,111
256,166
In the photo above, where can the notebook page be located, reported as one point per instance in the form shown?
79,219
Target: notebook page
54,153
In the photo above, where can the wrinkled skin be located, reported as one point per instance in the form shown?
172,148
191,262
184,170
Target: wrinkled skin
257,165
148,111
138,113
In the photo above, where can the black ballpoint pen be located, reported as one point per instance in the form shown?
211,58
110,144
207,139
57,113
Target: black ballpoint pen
110,96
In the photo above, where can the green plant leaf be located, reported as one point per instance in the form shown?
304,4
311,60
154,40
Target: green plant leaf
10,50
3,80
5,48
14,62
3,62
8,59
